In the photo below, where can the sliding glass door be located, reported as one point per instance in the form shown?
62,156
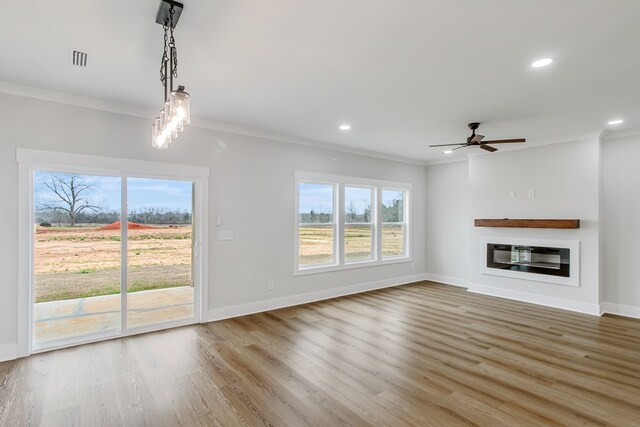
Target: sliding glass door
160,251
77,256
111,255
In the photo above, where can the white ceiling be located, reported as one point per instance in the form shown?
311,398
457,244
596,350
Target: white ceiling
403,73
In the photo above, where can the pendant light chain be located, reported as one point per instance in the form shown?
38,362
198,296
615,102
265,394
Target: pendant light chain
172,46
164,60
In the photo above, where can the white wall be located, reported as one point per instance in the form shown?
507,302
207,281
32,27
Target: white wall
565,178
620,229
448,223
247,173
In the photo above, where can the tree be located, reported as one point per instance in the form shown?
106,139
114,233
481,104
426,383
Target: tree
71,192
351,212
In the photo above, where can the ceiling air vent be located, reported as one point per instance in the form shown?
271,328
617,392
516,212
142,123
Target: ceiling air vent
77,57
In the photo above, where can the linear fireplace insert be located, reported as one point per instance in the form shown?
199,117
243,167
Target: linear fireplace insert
530,259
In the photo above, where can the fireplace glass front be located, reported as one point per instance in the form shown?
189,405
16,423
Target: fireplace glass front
530,259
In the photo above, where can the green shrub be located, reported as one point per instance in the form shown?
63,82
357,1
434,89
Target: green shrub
45,224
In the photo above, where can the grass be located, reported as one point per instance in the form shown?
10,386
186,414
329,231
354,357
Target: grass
316,243
62,286
80,262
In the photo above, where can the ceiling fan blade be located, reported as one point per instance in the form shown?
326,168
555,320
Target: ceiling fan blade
457,148
447,145
477,138
505,141
488,148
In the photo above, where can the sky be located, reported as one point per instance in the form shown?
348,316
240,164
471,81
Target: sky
142,193
319,197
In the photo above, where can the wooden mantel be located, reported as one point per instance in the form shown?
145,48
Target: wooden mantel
528,223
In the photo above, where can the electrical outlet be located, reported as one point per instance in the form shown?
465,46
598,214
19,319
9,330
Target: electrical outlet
225,235
512,194
270,285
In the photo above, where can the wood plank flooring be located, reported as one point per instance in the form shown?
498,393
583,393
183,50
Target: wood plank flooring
421,354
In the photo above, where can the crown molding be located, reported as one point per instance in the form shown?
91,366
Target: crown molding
130,110
622,133
465,158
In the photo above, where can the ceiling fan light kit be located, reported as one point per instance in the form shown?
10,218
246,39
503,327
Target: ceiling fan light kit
478,140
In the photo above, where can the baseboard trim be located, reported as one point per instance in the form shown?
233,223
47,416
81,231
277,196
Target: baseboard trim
292,300
562,303
8,352
620,309
447,280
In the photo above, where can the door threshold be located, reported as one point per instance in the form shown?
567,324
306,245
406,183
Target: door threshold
90,339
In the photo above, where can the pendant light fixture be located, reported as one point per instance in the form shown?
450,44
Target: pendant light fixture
175,113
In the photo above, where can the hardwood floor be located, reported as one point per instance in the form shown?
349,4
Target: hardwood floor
420,354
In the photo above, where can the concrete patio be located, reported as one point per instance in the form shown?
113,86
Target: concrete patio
57,320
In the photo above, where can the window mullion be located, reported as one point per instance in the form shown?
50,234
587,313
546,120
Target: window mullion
405,222
124,259
378,222
339,210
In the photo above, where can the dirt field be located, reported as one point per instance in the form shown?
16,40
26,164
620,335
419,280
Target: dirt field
85,261
316,243
85,248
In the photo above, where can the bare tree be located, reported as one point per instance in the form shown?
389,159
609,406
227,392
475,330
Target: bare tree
71,191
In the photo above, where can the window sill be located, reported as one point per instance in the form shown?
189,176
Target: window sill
350,266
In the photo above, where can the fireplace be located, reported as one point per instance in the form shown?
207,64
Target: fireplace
530,259
548,261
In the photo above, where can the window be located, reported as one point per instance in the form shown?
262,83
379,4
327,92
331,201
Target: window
358,225
393,223
316,224
347,222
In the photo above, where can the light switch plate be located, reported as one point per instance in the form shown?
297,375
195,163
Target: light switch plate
532,194
512,194
225,235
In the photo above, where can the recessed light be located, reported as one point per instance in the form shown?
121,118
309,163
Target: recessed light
447,152
542,62
615,122
344,127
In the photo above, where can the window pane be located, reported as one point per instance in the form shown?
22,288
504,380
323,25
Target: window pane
357,229
316,203
392,206
315,245
76,256
160,231
357,242
357,204
392,240
316,230
393,235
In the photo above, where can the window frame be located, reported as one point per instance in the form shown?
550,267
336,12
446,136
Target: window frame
372,222
404,223
340,182
31,160
334,241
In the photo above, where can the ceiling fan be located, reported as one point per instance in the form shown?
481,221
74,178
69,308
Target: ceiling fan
476,140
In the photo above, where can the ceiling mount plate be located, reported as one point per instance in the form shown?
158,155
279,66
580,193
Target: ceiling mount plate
162,17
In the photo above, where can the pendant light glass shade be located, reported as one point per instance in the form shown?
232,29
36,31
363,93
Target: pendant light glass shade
179,100
173,126
154,134
159,137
